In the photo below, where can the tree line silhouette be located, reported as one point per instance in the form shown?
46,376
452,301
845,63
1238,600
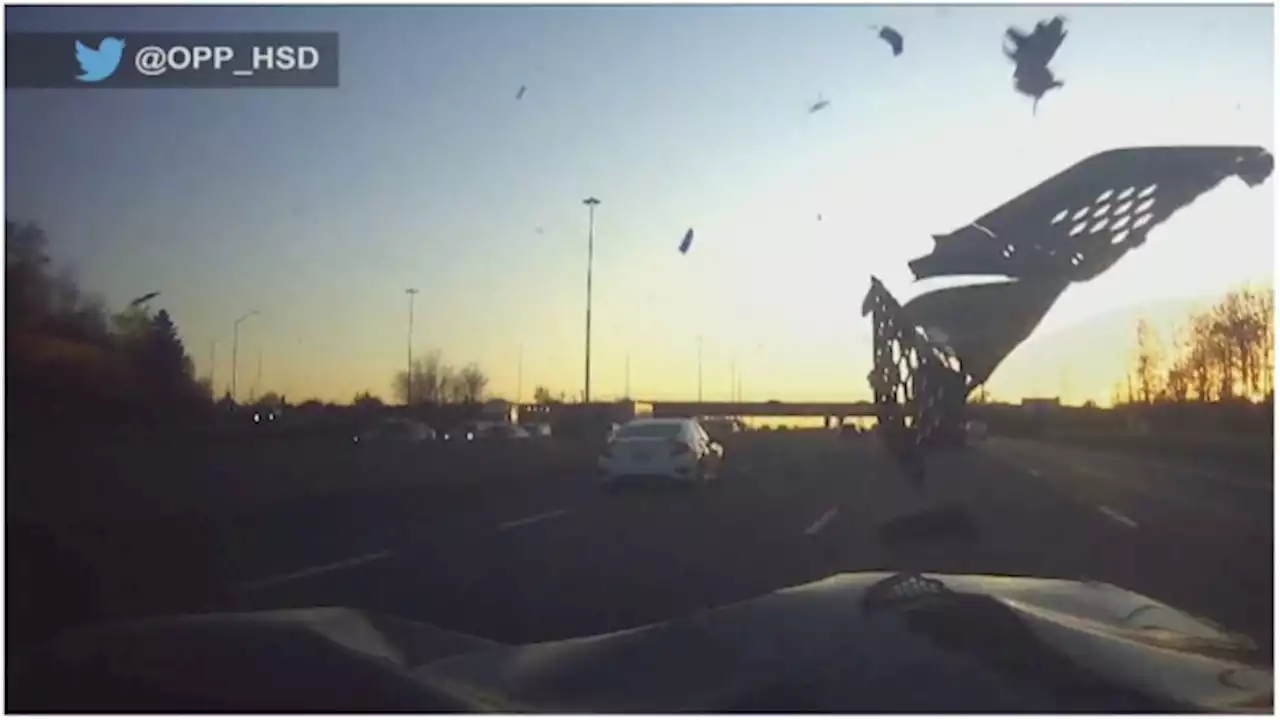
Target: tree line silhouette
430,380
71,361
1212,377
1222,354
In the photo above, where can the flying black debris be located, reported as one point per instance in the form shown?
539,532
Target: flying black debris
820,105
1038,47
686,242
143,299
893,37
819,217
520,92
1031,54
1035,82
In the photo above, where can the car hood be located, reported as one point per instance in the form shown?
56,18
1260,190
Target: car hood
989,644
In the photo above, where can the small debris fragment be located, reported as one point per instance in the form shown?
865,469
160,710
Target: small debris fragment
893,37
686,242
1031,54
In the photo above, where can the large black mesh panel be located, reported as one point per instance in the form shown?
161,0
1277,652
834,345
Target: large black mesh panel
918,382
930,354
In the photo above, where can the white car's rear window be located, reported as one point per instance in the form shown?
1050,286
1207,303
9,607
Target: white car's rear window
669,430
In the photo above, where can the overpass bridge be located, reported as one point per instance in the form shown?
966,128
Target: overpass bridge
574,414
830,411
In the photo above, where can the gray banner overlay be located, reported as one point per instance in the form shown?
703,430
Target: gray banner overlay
171,60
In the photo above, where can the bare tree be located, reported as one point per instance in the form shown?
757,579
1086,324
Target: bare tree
1225,352
1263,305
451,387
426,385
1199,359
1177,383
366,399
1147,362
1248,312
472,382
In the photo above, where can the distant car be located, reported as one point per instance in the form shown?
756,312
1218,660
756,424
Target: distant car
976,430
537,429
486,431
401,430
501,431
669,449
462,433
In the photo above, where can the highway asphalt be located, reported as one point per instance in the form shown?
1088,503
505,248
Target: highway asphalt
531,557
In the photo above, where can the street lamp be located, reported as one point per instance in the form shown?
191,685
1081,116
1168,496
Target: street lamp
235,348
408,378
591,204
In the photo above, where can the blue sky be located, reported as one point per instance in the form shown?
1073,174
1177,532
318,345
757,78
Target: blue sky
318,207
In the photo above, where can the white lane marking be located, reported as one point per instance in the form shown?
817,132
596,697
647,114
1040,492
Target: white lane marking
1118,517
822,522
317,570
531,519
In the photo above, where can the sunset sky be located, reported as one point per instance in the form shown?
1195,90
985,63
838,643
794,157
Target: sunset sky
319,207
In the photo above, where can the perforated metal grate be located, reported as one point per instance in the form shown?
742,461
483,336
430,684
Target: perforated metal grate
1078,223
1070,228
918,382
901,588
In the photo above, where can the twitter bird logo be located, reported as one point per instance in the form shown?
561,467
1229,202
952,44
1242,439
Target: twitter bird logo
98,65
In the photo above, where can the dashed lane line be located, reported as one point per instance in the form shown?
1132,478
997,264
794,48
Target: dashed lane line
1117,516
531,519
822,522
316,570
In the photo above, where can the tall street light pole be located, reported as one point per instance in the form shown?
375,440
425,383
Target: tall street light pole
408,378
591,204
235,349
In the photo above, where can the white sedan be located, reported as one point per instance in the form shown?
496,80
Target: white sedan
670,449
